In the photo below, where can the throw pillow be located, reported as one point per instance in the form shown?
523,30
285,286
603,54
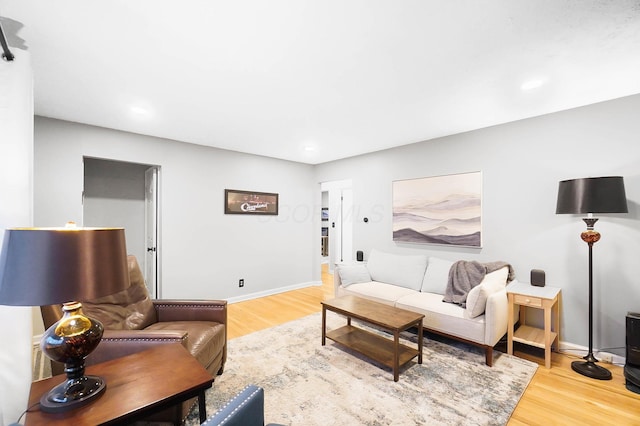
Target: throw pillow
353,274
477,297
437,275
398,269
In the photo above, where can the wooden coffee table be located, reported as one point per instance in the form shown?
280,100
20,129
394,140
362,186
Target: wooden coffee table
137,385
390,353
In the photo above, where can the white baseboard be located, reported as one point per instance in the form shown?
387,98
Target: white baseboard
271,292
581,351
36,339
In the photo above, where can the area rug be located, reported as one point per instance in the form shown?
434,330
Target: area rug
306,383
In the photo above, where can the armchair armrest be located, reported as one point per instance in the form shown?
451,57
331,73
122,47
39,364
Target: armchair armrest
118,343
191,310
246,408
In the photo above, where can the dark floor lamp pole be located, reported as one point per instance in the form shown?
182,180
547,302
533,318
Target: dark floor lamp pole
591,195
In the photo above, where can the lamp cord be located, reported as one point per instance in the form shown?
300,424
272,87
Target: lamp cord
17,422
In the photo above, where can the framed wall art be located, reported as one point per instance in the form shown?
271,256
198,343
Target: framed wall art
444,210
250,202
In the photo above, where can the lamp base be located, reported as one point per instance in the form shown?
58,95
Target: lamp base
591,369
72,393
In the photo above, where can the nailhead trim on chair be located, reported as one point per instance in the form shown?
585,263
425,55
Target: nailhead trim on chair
173,305
155,339
244,401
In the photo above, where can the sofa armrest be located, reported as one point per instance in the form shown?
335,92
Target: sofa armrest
496,317
118,343
337,282
191,310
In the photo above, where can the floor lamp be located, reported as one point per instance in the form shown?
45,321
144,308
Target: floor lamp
591,195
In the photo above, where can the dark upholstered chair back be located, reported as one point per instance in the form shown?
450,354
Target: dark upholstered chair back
130,309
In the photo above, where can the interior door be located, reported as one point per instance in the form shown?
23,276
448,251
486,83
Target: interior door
340,200
151,230
346,236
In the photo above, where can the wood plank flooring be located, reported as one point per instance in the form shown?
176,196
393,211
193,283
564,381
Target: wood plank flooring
557,396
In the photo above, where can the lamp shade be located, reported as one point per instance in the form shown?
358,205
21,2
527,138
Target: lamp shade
592,195
46,266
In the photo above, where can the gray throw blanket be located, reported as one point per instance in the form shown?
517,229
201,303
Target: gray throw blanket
465,275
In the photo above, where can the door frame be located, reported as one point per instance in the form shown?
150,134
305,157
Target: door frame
340,220
154,283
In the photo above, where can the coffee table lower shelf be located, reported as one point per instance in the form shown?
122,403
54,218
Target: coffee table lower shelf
371,345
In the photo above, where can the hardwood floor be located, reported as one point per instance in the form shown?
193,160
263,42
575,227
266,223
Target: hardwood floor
557,396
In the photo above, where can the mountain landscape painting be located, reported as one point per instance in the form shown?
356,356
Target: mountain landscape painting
439,210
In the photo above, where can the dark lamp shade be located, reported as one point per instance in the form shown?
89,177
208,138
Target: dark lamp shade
592,195
47,266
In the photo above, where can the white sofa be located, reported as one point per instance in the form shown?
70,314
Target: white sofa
418,283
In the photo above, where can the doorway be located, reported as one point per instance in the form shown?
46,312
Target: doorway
122,194
339,198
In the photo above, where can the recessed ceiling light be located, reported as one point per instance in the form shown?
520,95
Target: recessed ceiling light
531,84
309,148
140,111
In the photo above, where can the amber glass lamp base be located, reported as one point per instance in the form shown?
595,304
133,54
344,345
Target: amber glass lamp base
69,341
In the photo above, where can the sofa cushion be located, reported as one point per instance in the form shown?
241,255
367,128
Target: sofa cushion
477,297
353,274
401,270
436,276
378,292
444,317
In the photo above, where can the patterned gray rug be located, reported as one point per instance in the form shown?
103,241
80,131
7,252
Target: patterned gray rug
308,384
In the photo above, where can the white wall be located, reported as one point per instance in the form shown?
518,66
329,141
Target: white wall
204,252
522,163
16,191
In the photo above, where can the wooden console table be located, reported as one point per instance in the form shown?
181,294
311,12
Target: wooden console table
137,385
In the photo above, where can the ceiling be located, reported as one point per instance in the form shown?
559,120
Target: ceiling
317,80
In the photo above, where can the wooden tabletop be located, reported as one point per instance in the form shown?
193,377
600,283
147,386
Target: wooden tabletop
137,384
386,316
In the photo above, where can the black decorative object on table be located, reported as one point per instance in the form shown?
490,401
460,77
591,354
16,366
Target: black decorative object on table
591,195
537,277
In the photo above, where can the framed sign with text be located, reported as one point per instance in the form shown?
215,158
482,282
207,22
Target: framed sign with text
250,202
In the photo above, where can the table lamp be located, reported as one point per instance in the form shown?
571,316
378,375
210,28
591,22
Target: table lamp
46,266
591,195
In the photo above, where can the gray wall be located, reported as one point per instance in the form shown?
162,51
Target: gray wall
206,252
203,251
114,195
522,163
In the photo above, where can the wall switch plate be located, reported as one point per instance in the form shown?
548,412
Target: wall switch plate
241,282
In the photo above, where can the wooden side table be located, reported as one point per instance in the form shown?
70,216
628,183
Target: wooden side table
137,385
528,296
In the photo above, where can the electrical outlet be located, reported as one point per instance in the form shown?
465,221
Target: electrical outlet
241,282
605,357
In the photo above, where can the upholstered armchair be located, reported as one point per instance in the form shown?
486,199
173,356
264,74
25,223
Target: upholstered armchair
133,322
244,409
